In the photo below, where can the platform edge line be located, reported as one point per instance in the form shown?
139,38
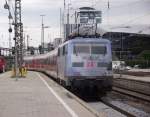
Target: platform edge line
73,114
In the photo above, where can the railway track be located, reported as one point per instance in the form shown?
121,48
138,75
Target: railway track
138,86
117,109
128,103
117,106
135,99
126,113
135,94
134,73
134,90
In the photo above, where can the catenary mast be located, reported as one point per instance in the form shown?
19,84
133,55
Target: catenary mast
18,27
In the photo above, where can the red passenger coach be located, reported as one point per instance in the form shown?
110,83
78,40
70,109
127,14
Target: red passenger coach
2,64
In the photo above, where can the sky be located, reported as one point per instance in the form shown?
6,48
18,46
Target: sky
120,13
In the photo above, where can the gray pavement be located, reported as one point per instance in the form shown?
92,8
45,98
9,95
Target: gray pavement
36,96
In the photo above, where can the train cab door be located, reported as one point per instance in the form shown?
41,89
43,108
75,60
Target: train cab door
65,53
58,62
61,60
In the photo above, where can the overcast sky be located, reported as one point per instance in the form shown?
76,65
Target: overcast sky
121,12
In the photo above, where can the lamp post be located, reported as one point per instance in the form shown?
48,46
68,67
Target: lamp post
7,6
42,33
68,26
43,36
27,42
10,31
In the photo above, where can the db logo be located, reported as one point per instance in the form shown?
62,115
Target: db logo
90,64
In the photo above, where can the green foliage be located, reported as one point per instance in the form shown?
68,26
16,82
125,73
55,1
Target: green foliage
144,55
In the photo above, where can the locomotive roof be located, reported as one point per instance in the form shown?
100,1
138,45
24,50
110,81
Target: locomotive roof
80,39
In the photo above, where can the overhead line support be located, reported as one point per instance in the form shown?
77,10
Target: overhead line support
18,28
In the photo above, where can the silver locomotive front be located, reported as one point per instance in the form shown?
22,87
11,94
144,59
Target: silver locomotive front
90,63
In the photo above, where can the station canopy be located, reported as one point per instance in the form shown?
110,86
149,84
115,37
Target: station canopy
102,30
133,29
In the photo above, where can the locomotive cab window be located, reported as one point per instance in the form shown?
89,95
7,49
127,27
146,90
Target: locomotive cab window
95,49
81,49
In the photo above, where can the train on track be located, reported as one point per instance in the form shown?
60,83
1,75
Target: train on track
2,64
77,63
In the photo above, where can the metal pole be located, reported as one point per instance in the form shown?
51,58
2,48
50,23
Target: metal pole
27,42
60,22
64,4
16,61
68,27
75,18
24,44
16,44
10,29
43,38
9,36
42,32
18,27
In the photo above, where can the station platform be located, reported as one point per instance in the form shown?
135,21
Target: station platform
37,96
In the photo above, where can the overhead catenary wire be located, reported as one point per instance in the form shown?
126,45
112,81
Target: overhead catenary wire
109,6
108,3
131,4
